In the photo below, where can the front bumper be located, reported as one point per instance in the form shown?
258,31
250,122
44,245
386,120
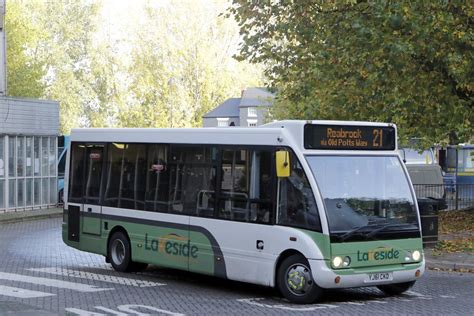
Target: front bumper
325,276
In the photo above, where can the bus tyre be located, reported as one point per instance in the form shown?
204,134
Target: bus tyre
395,289
295,281
120,252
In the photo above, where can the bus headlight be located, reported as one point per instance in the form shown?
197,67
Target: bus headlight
346,262
416,255
337,262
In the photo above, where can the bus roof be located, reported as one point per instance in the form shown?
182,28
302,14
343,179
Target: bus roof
278,133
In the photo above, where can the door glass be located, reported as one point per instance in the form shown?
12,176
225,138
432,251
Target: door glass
76,177
94,157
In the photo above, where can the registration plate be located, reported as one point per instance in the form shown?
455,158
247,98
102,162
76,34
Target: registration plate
377,277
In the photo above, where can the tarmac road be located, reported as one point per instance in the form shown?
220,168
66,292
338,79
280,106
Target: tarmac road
39,275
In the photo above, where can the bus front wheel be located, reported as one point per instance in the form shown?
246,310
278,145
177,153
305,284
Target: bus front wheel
120,252
396,289
295,281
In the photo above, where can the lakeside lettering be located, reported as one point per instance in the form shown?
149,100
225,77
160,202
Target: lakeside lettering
171,247
382,254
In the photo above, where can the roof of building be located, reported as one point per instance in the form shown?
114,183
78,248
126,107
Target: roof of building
250,97
229,108
256,97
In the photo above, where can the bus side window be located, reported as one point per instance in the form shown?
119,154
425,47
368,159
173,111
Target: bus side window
246,186
76,178
157,179
297,206
93,176
125,174
192,182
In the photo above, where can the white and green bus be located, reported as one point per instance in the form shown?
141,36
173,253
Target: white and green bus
298,205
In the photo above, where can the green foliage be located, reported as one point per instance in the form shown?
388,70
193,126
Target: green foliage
166,64
406,62
183,69
24,72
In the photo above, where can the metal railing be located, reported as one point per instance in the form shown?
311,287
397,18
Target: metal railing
455,196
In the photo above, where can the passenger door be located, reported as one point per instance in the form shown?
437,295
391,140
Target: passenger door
233,242
92,209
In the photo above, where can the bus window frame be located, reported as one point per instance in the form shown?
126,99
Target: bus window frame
219,148
273,181
365,154
313,190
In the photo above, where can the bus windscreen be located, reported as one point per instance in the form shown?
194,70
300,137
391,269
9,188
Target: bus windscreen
344,137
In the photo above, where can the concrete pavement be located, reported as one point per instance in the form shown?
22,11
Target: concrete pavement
12,217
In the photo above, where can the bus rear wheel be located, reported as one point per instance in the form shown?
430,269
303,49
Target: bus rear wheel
119,252
295,281
396,289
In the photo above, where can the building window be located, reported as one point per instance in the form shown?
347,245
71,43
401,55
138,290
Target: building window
222,122
11,156
252,123
252,112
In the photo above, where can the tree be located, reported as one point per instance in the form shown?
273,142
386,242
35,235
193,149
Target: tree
49,56
184,67
68,49
25,64
407,62
162,64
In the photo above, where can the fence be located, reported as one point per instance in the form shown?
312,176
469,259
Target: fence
457,196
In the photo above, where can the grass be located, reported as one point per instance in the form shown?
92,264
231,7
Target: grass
456,232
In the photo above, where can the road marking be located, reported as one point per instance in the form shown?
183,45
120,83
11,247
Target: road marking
81,312
51,282
21,293
126,309
447,296
98,277
354,303
413,293
111,311
131,309
254,301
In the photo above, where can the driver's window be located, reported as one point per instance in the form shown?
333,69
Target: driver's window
297,206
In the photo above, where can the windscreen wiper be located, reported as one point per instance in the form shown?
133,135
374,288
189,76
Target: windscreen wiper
374,232
356,230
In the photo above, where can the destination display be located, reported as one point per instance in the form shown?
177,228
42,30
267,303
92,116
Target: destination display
344,137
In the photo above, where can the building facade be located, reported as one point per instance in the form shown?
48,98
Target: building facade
249,110
28,153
